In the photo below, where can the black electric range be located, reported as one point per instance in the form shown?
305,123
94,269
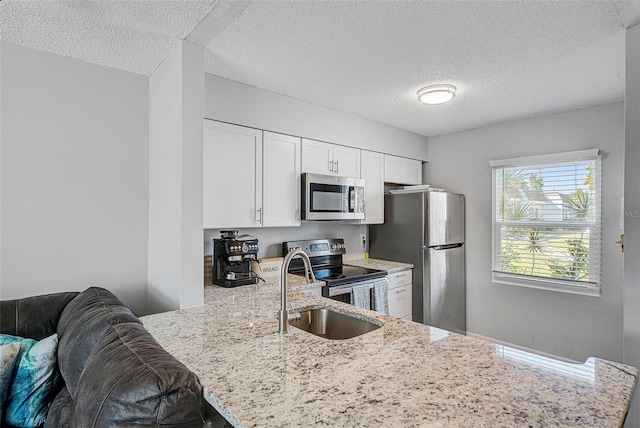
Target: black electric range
326,261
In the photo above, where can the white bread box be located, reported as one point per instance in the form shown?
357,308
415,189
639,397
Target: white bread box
267,267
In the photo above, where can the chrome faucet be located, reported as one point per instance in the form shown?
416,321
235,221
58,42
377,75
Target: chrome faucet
308,273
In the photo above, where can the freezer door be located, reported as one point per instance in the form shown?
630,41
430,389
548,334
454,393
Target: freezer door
445,219
445,306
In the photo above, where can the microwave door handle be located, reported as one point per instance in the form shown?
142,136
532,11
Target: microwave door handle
352,199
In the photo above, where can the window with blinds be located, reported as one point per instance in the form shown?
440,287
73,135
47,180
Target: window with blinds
546,221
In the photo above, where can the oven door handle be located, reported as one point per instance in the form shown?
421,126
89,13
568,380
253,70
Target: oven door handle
346,289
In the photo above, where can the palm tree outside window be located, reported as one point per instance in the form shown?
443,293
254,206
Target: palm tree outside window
546,221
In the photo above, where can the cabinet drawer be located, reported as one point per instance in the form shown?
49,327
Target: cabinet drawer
400,301
397,279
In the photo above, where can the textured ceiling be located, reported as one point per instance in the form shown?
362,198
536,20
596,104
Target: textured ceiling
509,59
131,35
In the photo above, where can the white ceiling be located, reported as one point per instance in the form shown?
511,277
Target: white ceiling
509,59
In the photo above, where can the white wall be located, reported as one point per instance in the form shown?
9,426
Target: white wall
74,177
234,102
632,219
175,194
566,325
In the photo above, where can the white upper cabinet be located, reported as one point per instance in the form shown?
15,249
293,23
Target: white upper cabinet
330,159
346,161
232,173
372,170
400,170
281,180
250,179
317,157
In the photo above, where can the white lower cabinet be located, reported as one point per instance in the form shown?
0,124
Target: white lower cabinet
400,293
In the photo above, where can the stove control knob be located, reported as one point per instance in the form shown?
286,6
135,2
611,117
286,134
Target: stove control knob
245,248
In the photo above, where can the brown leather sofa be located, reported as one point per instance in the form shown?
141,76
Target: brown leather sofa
114,374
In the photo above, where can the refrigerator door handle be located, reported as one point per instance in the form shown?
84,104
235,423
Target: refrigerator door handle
447,247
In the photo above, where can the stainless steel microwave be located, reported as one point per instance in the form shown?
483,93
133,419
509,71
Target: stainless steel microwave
329,197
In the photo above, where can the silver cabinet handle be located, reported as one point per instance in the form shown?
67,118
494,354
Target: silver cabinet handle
259,212
297,214
337,167
331,165
401,291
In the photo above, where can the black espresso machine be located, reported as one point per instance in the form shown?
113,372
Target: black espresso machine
232,257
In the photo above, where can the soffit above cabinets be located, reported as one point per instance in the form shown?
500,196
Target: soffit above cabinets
508,60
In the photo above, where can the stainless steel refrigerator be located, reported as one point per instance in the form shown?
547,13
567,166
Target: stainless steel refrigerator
427,230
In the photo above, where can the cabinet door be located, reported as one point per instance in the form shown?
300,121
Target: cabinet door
281,180
372,170
401,170
346,161
317,157
397,279
232,173
413,170
393,172
400,301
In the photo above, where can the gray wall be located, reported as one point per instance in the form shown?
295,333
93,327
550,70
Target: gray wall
74,174
566,325
234,102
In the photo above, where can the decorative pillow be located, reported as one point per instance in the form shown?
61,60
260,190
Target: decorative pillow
34,382
8,357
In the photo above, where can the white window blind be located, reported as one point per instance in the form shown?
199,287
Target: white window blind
546,221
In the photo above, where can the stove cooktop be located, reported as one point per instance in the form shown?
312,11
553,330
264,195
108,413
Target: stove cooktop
343,274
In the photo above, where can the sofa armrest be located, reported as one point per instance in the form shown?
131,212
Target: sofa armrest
33,317
130,380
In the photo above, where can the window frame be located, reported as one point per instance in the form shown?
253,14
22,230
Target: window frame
592,288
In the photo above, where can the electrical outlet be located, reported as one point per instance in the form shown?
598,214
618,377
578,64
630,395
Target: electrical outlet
363,238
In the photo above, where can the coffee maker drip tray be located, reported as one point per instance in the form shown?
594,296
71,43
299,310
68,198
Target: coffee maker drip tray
229,283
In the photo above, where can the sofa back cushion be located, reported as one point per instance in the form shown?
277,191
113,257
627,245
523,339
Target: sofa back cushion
33,317
130,380
82,323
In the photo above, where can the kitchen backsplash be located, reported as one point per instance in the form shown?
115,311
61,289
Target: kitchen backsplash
271,238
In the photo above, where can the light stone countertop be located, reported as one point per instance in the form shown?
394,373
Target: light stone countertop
404,374
389,266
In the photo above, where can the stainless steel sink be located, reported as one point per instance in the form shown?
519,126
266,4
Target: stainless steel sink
330,324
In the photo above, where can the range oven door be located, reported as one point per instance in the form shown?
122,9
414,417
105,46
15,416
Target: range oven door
342,292
329,197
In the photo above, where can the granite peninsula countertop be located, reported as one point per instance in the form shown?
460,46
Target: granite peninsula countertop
404,374
389,266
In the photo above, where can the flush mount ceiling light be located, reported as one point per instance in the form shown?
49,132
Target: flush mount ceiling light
436,94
